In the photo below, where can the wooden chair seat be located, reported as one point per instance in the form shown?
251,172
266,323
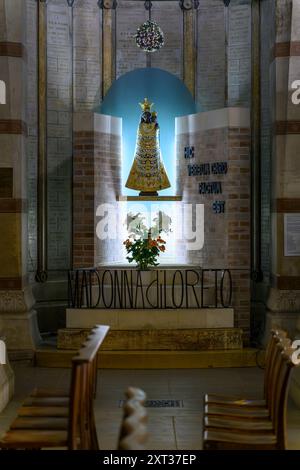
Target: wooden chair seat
31,422
239,412
46,401
221,422
223,440
38,439
44,411
224,400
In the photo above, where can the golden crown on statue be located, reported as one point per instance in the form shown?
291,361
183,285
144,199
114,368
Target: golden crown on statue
146,105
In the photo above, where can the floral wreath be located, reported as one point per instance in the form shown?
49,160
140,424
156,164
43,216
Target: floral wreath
149,37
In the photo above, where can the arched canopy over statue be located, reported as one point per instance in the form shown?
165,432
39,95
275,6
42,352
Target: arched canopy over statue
148,174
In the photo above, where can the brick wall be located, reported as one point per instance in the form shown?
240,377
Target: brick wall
83,199
96,180
227,236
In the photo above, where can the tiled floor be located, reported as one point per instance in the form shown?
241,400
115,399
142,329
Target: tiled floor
170,428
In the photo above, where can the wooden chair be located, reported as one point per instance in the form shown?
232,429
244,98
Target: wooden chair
34,410
72,427
133,433
274,437
58,397
246,419
223,400
252,412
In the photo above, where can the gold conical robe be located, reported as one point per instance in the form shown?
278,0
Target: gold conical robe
148,173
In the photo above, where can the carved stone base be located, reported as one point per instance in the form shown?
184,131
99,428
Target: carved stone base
288,321
151,340
21,334
7,382
18,323
281,301
284,311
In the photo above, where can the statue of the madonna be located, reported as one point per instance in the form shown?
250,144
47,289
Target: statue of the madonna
147,173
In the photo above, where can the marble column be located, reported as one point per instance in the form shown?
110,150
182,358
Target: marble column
189,53
18,323
108,49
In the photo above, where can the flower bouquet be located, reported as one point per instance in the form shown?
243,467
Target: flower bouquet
144,245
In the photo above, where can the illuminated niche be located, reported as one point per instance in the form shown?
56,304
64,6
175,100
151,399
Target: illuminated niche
171,99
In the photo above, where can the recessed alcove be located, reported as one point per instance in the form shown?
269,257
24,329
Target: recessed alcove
219,136
171,99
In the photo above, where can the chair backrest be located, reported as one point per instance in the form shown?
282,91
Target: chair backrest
91,346
280,346
133,432
276,335
283,379
82,429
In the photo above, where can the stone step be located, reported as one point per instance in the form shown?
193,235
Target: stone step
151,319
192,339
246,357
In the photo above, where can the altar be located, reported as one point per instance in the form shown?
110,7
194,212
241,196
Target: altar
212,148
166,309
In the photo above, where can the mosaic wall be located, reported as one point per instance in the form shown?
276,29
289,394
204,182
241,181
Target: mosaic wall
211,83
87,54
267,111
239,53
32,146
59,133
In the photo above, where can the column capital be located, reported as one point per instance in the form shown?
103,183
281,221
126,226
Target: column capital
107,4
186,5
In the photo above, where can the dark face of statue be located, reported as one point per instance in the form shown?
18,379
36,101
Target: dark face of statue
146,117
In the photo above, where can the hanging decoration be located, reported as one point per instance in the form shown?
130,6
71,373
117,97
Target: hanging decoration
149,37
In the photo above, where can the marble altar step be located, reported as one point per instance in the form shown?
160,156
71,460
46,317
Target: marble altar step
150,319
246,357
192,339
